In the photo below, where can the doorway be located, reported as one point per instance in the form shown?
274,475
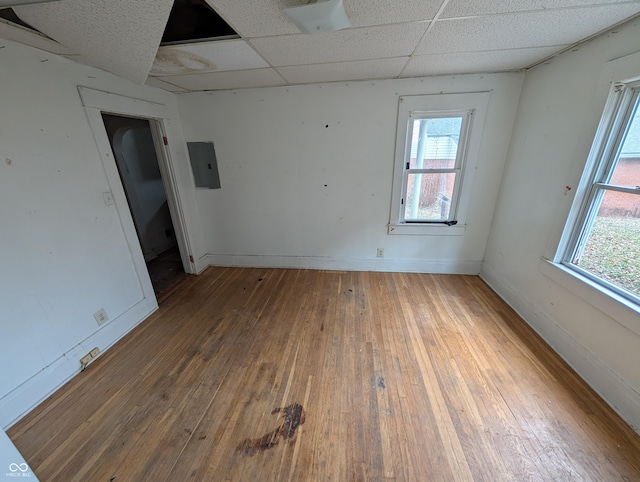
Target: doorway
134,151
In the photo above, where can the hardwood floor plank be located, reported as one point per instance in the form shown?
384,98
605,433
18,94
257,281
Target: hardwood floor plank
272,374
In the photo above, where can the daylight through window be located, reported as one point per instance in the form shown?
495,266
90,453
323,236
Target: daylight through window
438,140
605,239
432,167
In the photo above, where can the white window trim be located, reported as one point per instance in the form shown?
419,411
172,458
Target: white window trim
432,103
599,159
609,303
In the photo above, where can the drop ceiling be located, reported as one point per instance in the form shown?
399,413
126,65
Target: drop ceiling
387,39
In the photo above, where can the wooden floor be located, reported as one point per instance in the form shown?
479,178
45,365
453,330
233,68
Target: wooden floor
266,374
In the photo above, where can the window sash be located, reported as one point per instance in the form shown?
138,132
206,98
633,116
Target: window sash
432,171
439,105
599,191
456,170
603,159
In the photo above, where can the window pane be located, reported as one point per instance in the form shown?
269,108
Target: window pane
627,170
429,196
434,143
612,249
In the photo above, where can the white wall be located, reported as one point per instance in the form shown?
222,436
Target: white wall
559,111
12,462
63,253
306,174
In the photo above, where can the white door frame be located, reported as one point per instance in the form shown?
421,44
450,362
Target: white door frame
97,102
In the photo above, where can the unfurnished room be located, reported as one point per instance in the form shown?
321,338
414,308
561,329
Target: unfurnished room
320,240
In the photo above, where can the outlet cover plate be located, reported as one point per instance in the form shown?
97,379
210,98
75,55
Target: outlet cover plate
101,316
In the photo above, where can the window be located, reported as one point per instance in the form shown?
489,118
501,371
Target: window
602,239
433,167
435,148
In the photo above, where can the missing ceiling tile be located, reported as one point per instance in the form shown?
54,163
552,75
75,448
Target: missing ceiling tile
195,21
10,15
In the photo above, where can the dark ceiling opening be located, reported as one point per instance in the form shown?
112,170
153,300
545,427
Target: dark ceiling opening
195,21
9,14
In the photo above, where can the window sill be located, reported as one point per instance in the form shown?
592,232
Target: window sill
426,229
608,302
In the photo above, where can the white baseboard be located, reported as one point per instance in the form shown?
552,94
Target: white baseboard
611,387
347,264
201,264
24,398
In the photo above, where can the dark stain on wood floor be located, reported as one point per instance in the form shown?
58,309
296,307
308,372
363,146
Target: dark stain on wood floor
292,417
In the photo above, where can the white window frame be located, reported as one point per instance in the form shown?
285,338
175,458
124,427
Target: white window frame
472,107
614,123
461,151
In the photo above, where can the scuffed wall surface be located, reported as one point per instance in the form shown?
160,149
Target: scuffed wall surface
306,174
64,254
560,108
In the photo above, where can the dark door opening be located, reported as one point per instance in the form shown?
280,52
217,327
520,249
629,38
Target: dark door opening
135,155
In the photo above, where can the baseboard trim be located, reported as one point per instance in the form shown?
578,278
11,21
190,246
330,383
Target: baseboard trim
24,398
610,386
347,264
201,264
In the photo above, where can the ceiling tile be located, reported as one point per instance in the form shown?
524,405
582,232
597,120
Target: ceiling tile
467,8
257,18
340,71
538,29
264,18
121,37
233,79
160,84
345,45
206,57
476,62
363,13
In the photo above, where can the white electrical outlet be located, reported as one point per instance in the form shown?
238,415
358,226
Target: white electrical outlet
380,253
101,316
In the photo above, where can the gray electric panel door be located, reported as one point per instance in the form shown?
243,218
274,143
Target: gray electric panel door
204,164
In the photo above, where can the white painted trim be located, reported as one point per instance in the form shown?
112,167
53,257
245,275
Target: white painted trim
24,398
620,396
29,394
624,70
476,101
96,102
170,181
608,302
426,229
122,104
94,117
202,263
347,264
